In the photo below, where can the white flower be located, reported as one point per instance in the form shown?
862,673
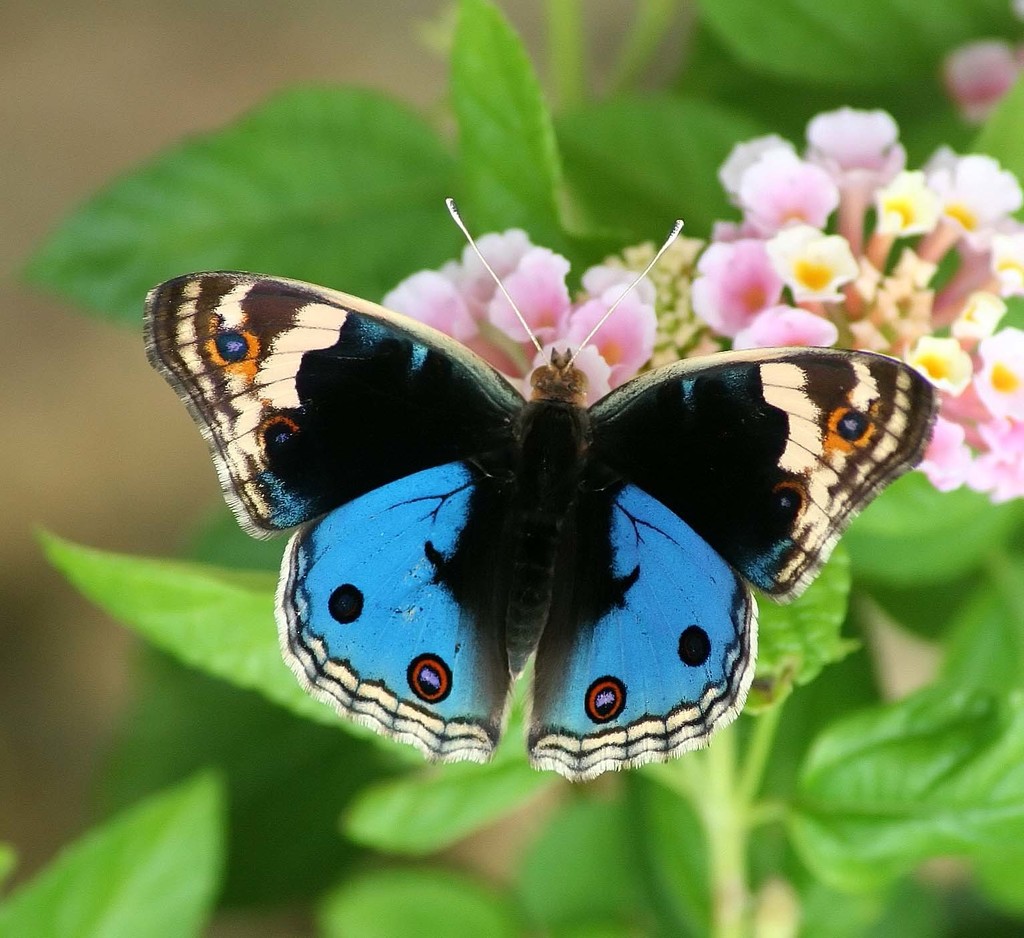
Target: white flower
813,265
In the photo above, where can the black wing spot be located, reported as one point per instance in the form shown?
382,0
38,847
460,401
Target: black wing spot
852,425
694,646
346,603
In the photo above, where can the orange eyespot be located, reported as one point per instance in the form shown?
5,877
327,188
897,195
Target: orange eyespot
236,350
605,699
848,429
430,678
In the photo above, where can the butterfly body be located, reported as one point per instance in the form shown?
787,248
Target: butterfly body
448,531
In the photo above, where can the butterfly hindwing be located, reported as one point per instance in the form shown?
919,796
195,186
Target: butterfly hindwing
383,612
309,398
652,649
769,454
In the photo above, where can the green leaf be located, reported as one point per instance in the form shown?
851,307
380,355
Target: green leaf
151,871
998,874
797,640
415,903
511,174
220,621
287,778
432,809
335,186
857,42
941,772
635,164
784,105
220,541
908,911
985,648
580,870
669,850
1003,133
914,534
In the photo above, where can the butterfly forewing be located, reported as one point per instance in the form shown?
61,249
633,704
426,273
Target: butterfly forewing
768,455
309,398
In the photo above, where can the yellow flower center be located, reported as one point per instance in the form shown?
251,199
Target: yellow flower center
962,214
903,209
814,275
1011,268
1004,380
936,365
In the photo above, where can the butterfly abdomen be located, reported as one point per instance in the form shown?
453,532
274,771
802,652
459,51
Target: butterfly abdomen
553,442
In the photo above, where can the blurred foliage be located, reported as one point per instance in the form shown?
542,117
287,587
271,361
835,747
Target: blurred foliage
818,806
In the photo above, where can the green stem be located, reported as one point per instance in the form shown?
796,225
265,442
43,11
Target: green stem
725,825
758,750
565,52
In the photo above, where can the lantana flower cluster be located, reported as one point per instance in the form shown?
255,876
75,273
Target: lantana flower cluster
462,300
841,245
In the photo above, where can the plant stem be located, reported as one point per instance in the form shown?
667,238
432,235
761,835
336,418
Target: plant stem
565,52
725,825
758,750
726,804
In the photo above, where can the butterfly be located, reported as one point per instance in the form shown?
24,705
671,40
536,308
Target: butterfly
447,530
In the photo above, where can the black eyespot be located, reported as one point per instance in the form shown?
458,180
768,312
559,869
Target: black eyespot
430,678
852,425
277,432
605,699
232,346
346,603
694,646
788,500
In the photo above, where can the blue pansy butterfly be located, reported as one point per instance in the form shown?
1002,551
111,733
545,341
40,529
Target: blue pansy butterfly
447,530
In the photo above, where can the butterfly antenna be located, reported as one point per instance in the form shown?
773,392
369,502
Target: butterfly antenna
673,234
457,218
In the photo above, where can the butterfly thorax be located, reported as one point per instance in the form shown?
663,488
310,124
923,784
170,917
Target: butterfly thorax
559,381
553,442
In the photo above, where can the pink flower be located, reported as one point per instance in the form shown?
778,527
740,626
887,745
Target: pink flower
503,251
1000,471
735,282
786,325
1000,381
626,340
537,285
947,461
744,155
433,299
780,189
978,74
858,148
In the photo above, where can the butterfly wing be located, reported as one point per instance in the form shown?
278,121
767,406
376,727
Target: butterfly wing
387,610
650,649
767,455
309,398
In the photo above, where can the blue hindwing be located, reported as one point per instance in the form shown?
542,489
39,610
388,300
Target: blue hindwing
670,659
370,623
